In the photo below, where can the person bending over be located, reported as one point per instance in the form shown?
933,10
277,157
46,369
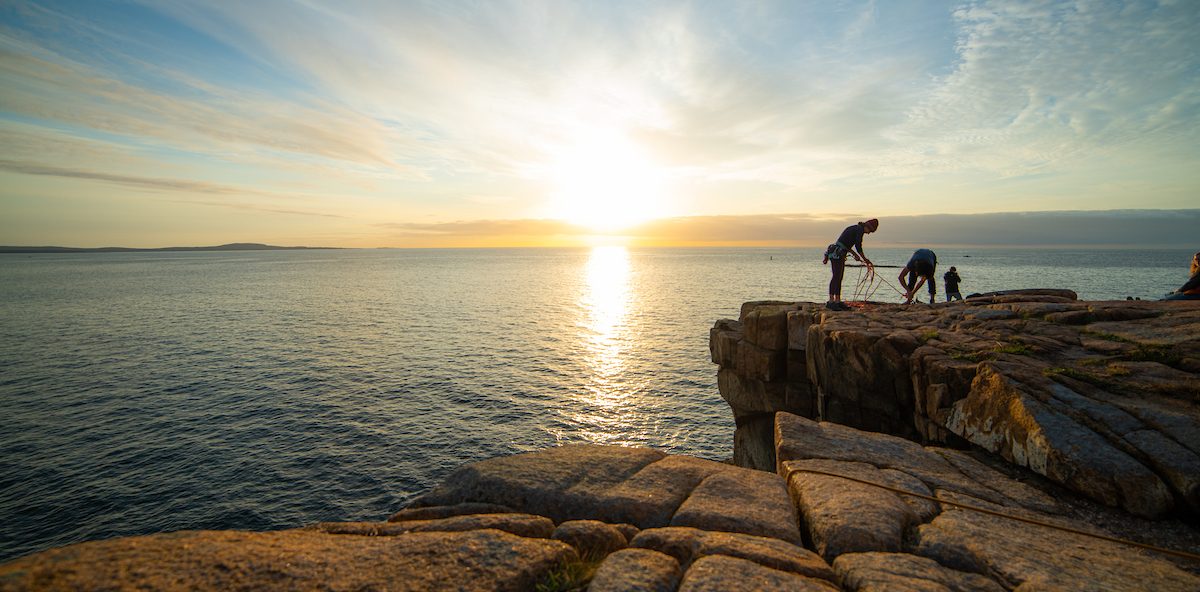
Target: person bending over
952,281
1190,290
923,263
835,255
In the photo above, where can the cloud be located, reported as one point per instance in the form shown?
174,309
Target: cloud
258,208
198,117
1127,228
492,228
184,185
1037,85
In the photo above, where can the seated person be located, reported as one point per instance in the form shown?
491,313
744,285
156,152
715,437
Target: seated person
1190,290
923,263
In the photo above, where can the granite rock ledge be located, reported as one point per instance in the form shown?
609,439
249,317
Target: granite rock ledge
1101,397
647,521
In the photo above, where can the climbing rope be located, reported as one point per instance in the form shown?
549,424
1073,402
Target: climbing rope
1183,554
869,283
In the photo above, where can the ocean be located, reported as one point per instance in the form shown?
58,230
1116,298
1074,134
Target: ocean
148,392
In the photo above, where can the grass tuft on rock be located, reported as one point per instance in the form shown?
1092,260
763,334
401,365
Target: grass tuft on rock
570,576
1014,347
1107,336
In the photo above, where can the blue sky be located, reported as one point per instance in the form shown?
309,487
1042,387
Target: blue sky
387,123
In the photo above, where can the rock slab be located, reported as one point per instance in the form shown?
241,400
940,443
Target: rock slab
292,560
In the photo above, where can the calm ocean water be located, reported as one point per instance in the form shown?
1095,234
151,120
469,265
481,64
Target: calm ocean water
146,392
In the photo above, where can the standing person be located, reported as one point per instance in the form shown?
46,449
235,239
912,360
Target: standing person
850,241
1190,290
922,263
952,280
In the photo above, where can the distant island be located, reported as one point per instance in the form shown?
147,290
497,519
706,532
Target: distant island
228,247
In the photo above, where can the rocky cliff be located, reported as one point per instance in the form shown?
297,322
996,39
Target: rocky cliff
1101,397
840,513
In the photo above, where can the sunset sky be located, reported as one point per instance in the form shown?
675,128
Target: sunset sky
498,123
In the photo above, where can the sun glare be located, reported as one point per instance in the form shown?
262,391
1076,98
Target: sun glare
605,182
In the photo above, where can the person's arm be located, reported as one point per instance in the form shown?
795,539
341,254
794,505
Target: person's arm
908,298
900,278
932,289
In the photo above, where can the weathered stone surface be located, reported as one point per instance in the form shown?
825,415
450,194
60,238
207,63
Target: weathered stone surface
591,538
720,573
1024,495
292,560
1105,395
741,500
637,570
525,525
844,516
628,530
759,363
767,326
687,545
1003,414
564,483
751,396
750,438
722,342
1030,557
651,496
887,572
435,512
798,438
798,323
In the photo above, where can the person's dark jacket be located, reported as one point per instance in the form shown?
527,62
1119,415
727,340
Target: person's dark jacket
952,281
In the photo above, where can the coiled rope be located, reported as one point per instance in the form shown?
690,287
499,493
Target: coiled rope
1156,549
869,282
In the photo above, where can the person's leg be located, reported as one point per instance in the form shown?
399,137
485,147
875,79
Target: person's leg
838,266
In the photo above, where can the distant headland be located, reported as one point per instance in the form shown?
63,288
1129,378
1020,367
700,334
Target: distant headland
228,247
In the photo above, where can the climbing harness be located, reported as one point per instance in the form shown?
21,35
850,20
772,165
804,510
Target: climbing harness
1183,554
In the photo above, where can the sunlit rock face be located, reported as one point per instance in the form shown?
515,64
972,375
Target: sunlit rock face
1102,397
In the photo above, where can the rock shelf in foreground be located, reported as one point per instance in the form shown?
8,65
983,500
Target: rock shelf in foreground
644,520
1101,397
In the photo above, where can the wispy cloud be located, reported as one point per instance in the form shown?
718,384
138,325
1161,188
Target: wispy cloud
259,208
1134,228
126,180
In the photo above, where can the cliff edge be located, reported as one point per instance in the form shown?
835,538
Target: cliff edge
1101,397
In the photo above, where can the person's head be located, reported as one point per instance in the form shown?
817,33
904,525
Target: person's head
871,225
1195,263
952,268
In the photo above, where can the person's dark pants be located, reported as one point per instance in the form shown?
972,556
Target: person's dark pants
839,268
912,281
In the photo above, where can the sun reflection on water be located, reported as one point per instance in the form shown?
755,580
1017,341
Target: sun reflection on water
605,338
606,302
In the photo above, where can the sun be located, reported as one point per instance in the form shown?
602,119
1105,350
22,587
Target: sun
605,182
